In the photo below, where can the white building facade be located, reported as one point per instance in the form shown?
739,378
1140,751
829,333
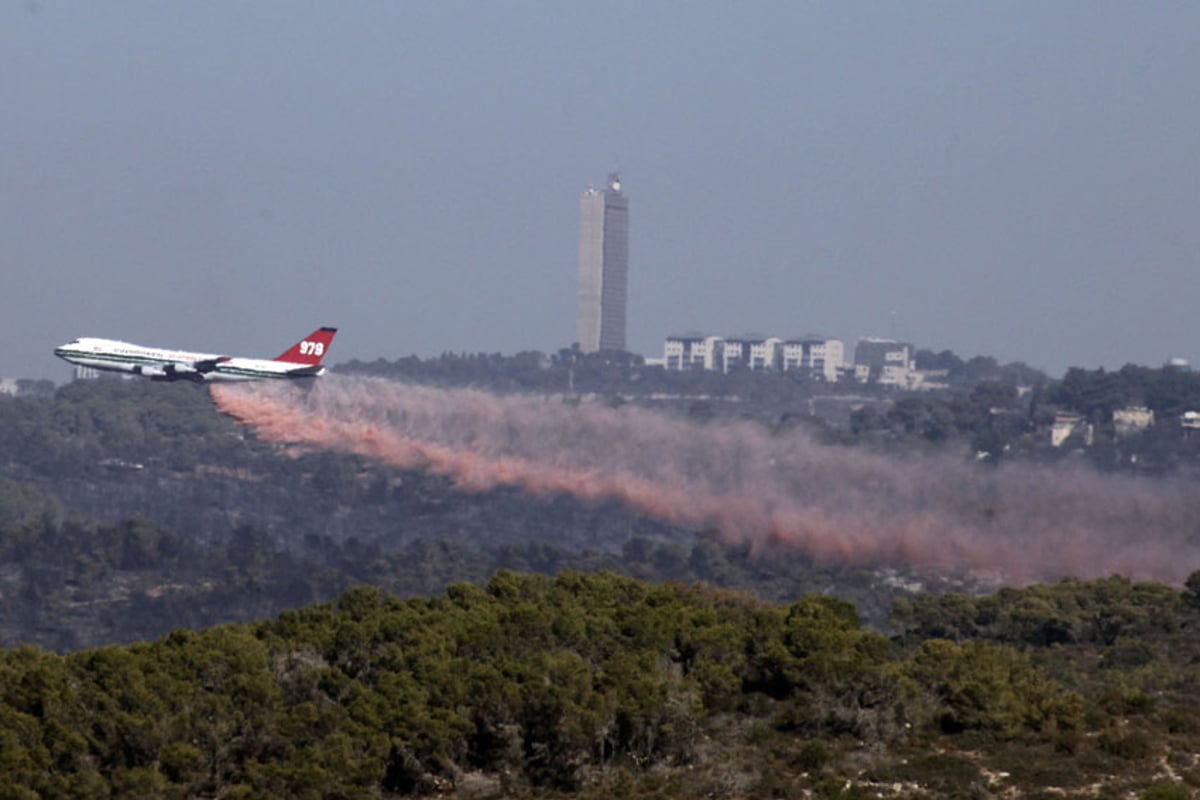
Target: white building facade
694,351
819,357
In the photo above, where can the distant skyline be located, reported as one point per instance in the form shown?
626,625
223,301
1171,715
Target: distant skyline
1017,180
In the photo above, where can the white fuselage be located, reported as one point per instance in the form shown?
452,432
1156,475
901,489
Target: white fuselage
118,356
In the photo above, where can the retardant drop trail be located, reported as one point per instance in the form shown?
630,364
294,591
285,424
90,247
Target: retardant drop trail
838,505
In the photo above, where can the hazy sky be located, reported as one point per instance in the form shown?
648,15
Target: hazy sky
1014,179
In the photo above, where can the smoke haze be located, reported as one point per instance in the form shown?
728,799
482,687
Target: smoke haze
835,504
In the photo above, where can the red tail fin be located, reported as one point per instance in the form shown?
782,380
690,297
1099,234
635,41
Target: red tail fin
311,349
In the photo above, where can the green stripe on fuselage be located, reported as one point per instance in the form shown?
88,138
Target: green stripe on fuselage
110,357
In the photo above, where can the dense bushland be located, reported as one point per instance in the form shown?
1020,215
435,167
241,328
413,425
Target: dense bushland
591,684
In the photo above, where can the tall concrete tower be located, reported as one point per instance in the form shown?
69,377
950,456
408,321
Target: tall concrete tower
603,267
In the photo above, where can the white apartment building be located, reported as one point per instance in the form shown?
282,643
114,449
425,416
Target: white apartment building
752,351
694,351
820,357
733,353
765,354
884,361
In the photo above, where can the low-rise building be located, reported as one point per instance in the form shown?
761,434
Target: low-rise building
735,352
1128,421
818,356
753,351
765,354
883,361
889,361
693,351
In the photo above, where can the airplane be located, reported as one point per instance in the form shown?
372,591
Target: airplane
302,360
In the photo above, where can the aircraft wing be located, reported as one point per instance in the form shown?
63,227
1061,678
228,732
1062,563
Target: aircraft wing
170,372
209,364
183,370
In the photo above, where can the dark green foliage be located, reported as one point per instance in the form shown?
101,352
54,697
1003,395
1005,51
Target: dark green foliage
1096,393
1127,650
576,684
538,676
1166,790
1069,612
72,583
984,687
1192,595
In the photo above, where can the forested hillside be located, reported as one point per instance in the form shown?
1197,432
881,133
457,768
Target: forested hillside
131,507
660,662
602,686
128,508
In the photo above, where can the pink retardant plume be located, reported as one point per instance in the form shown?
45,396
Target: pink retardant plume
837,505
